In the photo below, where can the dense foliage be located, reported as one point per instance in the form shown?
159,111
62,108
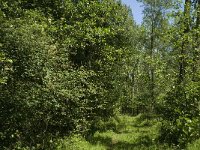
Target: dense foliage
67,60
67,66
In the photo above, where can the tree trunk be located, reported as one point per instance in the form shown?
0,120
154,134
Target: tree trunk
183,53
196,44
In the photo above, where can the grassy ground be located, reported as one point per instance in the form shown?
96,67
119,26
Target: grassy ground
195,145
131,133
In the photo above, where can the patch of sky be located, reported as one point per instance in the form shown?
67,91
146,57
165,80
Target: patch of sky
136,8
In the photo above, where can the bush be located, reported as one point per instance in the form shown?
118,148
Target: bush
180,112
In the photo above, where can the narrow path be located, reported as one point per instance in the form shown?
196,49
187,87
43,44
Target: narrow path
132,133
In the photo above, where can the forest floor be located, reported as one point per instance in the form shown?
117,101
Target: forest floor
131,133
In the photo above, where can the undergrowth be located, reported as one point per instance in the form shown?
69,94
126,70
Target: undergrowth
127,133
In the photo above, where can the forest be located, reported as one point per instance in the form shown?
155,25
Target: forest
83,75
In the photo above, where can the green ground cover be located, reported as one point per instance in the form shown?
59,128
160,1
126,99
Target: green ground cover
131,133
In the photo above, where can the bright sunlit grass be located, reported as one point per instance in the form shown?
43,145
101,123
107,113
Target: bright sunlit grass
195,145
133,133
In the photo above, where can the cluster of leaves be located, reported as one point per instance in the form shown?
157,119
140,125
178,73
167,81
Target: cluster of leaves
180,111
66,56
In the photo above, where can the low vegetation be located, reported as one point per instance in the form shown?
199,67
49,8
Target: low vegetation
131,133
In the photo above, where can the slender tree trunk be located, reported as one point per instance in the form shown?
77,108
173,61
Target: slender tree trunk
196,44
183,53
151,75
198,14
